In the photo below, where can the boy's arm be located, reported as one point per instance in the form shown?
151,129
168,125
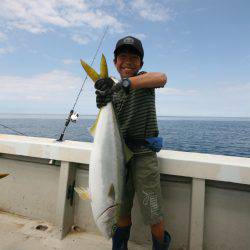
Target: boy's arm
148,80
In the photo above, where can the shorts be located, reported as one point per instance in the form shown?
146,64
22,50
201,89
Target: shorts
143,178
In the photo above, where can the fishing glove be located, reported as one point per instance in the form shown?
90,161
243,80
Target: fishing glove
104,84
102,100
103,91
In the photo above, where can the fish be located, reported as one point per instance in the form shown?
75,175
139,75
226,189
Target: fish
92,73
3,175
107,171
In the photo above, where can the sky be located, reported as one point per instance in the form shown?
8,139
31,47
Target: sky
202,46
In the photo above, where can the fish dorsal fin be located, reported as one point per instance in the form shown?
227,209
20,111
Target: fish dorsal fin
103,68
3,175
83,193
90,71
111,192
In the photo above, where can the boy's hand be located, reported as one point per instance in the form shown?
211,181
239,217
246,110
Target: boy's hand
103,91
105,87
102,100
104,84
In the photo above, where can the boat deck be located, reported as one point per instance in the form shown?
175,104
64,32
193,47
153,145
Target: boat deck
21,233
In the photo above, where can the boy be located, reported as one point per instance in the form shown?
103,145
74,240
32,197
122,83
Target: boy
133,99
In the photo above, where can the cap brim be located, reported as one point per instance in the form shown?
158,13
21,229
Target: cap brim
128,46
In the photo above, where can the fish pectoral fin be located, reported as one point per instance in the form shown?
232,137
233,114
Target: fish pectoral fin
83,193
127,152
3,175
93,128
90,71
111,192
103,68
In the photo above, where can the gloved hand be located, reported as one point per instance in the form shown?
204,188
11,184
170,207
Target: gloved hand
104,84
106,87
103,91
102,100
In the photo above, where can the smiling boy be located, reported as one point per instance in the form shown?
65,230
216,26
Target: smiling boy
133,99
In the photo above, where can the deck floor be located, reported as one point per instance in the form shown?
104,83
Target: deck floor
19,233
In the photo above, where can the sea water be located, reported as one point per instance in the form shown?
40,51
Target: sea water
223,136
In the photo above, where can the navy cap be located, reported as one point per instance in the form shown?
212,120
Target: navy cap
132,42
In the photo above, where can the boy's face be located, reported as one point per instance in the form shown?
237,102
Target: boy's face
127,63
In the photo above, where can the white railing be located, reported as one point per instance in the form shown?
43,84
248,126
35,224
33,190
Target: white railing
192,170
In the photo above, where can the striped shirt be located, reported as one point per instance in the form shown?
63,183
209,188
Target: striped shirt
136,115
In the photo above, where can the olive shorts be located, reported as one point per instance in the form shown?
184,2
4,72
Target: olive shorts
143,178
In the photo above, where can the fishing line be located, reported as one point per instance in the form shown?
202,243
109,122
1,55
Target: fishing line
12,129
72,117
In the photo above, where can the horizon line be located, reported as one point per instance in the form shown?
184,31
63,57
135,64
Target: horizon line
50,114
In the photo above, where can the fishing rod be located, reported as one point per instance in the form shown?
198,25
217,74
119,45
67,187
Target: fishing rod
73,116
20,133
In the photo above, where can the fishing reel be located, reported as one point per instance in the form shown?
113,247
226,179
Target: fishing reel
74,117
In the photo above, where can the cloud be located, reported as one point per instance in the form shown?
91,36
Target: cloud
3,37
238,87
43,15
151,10
177,92
50,92
6,50
47,86
212,100
199,10
186,32
141,36
234,90
36,98
69,61
81,39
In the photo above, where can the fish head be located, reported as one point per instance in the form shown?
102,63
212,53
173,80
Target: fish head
107,220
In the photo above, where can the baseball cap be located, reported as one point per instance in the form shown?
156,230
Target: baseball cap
131,42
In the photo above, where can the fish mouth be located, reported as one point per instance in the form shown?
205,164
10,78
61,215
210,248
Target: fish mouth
106,220
107,211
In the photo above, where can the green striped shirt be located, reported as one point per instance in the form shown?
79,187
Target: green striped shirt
136,115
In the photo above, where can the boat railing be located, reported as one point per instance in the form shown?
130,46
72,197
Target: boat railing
206,198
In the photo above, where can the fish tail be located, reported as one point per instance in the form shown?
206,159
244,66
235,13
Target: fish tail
83,193
90,71
103,67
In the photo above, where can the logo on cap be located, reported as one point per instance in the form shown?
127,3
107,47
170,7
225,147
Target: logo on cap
128,40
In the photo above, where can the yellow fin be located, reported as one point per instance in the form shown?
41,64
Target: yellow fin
127,152
90,71
103,68
111,192
83,193
93,128
3,175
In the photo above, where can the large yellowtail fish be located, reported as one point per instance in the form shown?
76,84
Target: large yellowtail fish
107,164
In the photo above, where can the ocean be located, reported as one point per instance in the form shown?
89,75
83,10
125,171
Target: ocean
212,135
